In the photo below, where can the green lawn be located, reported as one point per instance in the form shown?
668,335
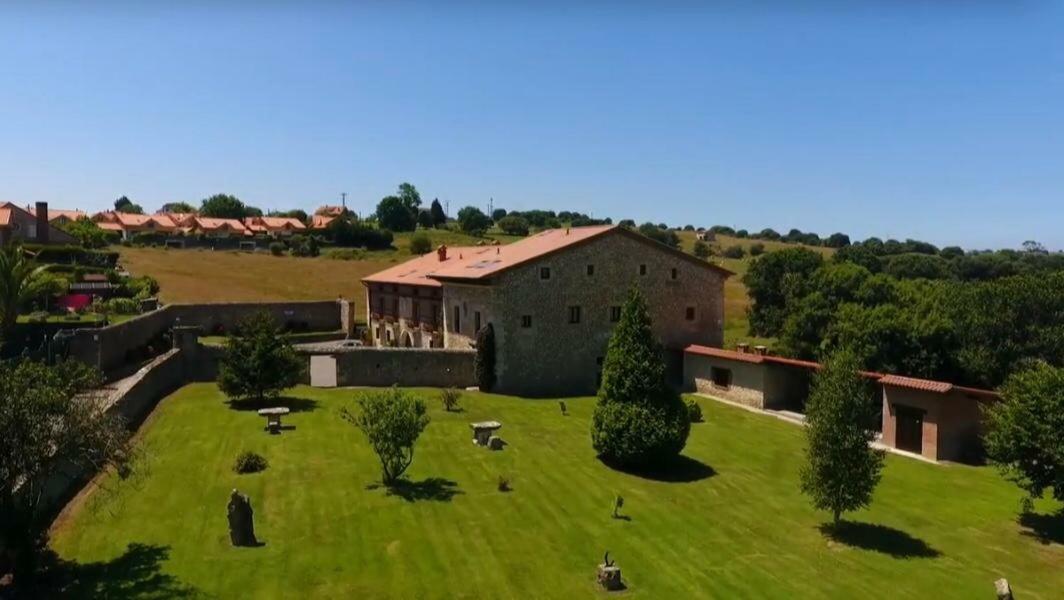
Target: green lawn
731,524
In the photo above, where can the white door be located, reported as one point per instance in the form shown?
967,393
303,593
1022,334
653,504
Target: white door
323,371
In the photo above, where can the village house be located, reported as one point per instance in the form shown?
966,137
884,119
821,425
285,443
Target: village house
60,216
325,215
274,226
933,419
129,224
552,299
35,226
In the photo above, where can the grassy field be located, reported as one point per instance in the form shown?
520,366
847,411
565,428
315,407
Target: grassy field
209,276
729,523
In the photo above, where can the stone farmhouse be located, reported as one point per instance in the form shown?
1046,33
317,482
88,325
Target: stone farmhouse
933,419
33,226
552,300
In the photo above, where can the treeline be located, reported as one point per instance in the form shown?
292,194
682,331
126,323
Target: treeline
968,332
794,236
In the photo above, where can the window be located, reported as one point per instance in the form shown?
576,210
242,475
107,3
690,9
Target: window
615,314
590,270
544,272
721,377
574,314
457,319
674,273
526,321
690,314
642,269
476,320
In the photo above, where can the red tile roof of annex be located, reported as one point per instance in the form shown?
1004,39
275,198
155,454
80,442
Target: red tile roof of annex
481,262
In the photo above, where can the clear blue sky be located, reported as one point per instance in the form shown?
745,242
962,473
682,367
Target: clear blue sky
941,121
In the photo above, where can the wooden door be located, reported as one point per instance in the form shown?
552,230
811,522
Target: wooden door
909,429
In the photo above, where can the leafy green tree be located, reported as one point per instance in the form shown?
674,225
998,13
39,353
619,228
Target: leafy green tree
49,416
860,254
702,250
659,233
837,240
296,213
841,469
177,207
757,249
88,233
512,225
392,420
125,205
473,221
639,420
259,361
734,251
424,219
439,218
771,279
252,211
498,214
410,196
1025,432
223,206
20,282
484,361
917,266
394,213
420,244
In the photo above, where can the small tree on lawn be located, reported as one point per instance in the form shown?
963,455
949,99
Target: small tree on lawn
259,361
51,424
1025,433
484,361
841,469
392,421
639,420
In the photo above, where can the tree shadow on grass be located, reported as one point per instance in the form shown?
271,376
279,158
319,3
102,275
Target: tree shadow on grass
436,489
137,573
294,405
682,469
879,538
1046,528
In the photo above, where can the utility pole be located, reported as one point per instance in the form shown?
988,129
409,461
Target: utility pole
447,207
491,206
343,200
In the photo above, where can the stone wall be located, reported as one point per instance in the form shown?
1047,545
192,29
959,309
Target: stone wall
108,348
413,367
747,379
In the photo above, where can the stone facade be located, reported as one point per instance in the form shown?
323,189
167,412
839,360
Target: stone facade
404,316
553,314
951,422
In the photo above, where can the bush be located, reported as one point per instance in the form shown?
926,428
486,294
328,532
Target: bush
304,245
420,244
694,410
504,484
139,287
702,249
346,254
757,249
258,362
513,225
250,462
639,420
122,306
450,397
392,421
276,248
72,255
735,251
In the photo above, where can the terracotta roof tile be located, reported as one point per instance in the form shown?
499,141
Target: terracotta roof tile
926,385
5,216
727,354
417,271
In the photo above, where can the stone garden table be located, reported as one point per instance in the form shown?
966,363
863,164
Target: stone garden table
273,417
483,431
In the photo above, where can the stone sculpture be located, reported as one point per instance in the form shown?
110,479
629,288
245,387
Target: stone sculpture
241,520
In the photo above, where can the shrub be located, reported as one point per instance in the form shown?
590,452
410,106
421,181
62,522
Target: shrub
757,249
420,243
392,420
276,248
639,420
513,225
122,306
304,245
694,410
450,397
702,249
346,254
735,251
484,362
504,484
250,462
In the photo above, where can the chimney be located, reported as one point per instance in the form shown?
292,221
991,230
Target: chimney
760,350
42,222
742,347
441,252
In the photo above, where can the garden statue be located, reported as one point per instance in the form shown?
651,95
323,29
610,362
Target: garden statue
609,574
1003,589
241,522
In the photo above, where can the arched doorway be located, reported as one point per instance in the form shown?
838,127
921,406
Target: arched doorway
408,340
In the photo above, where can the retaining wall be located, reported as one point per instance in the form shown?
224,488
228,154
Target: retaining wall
414,367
